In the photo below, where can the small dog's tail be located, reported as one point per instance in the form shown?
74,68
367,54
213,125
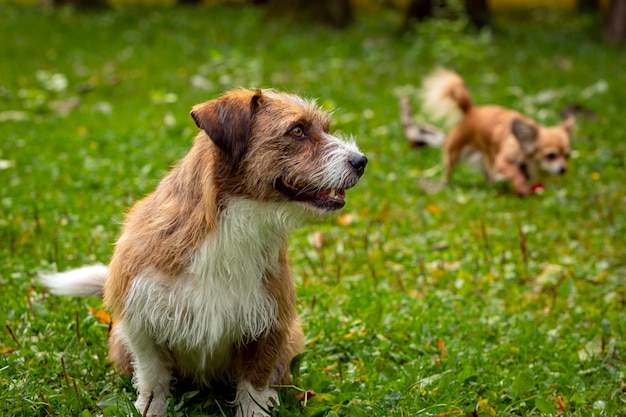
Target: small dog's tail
88,280
445,97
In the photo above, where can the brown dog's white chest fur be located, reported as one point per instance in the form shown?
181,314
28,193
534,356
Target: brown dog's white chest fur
199,285
233,290
220,300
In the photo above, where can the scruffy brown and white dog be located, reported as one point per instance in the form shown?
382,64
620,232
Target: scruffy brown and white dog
199,285
513,147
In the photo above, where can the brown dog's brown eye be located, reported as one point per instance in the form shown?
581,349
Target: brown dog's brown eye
297,131
551,156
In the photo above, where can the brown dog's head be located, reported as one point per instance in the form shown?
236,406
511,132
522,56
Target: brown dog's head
548,146
277,147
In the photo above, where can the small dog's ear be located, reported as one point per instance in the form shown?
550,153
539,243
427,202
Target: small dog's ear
569,123
228,120
526,134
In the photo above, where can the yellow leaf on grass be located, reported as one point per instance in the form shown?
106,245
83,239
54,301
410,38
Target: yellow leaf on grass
102,316
346,219
442,349
433,208
484,406
81,132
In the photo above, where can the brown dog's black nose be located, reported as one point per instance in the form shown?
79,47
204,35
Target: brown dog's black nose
562,170
358,162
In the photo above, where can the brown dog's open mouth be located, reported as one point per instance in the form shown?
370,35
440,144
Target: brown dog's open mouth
325,199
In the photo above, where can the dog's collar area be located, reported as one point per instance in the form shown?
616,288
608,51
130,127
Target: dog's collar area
324,199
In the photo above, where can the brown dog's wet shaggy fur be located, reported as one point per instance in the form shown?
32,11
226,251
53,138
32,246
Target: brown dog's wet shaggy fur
199,285
513,147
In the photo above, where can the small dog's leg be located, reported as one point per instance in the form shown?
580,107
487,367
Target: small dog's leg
508,170
451,152
520,184
487,169
448,165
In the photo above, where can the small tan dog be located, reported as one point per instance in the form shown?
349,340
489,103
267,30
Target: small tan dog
199,285
512,145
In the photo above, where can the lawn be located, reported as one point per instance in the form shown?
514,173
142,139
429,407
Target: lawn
416,300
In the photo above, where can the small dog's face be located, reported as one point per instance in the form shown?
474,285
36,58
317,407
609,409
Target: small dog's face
553,149
277,147
549,146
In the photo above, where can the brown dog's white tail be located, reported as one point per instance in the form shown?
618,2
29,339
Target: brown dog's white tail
445,97
88,280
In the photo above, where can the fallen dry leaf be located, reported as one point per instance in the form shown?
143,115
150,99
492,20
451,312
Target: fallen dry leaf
102,316
317,240
346,219
433,209
7,349
305,395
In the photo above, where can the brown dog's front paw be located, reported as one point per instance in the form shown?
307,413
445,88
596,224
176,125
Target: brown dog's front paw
253,402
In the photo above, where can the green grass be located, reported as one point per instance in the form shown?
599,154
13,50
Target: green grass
464,301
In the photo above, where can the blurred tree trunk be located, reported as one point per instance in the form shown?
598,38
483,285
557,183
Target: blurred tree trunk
588,6
418,10
477,12
82,4
615,23
337,13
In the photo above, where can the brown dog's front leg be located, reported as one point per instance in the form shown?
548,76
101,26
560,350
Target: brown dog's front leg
255,397
266,360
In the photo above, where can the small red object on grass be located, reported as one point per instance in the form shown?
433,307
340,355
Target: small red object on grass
537,188
305,395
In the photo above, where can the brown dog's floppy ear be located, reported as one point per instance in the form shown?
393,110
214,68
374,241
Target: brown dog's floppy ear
227,121
526,134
